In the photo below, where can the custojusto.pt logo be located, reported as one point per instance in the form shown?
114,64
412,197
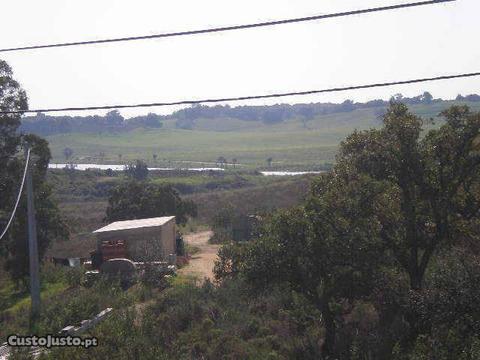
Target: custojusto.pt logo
49,341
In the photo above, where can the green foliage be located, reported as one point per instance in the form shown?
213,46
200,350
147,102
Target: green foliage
327,251
447,311
137,171
64,305
50,224
433,183
230,224
112,122
138,200
371,229
154,277
379,262
223,117
209,322
231,258
222,225
289,142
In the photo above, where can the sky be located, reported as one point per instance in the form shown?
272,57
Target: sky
380,47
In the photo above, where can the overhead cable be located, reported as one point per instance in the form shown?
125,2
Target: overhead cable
243,98
18,196
229,28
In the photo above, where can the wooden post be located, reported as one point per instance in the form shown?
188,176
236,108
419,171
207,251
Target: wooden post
32,245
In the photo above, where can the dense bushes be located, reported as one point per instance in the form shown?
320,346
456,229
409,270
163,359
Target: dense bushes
139,200
374,238
112,122
210,322
64,302
76,184
381,261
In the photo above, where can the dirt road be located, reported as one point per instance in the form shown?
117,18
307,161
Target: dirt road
201,264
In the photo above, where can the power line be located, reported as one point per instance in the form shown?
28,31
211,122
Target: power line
18,197
250,97
230,28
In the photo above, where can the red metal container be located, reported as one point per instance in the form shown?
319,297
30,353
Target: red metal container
113,250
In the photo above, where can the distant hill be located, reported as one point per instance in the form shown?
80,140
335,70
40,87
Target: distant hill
295,142
360,117
112,122
226,118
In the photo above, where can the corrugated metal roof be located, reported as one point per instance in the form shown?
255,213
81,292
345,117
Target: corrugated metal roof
135,224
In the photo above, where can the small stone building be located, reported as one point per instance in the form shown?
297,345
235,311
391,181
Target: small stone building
144,239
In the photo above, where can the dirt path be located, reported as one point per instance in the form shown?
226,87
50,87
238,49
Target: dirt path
201,264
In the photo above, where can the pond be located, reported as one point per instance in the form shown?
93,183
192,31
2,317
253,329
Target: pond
83,167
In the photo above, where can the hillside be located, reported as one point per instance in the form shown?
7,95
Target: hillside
291,143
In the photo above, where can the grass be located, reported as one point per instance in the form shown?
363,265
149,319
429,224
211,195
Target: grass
281,194
64,301
204,179
183,280
177,146
22,301
289,143
13,299
10,295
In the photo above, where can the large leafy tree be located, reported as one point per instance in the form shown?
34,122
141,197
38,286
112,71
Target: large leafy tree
448,311
138,200
328,251
137,170
398,197
432,181
50,226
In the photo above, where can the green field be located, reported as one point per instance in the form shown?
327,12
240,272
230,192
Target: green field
289,143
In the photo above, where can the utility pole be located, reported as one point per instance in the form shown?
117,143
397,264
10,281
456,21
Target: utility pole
32,244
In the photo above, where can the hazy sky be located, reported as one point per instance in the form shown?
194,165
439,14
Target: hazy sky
403,44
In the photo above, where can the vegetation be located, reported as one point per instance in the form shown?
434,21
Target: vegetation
222,225
83,198
187,118
75,185
377,259
376,232
207,322
229,224
140,200
65,301
266,196
137,170
113,121
296,136
13,247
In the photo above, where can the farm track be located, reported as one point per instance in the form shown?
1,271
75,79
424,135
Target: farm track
202,263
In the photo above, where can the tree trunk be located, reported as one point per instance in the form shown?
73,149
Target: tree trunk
328,347
387,318
416,279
